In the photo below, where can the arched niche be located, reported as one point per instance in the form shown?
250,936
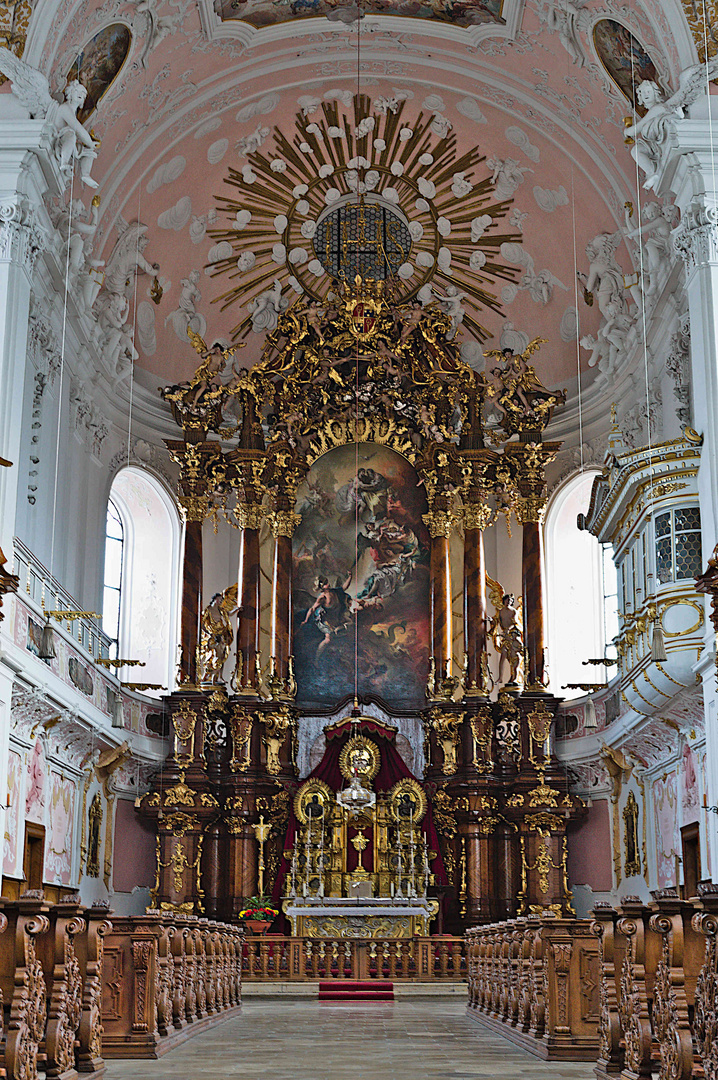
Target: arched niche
361,579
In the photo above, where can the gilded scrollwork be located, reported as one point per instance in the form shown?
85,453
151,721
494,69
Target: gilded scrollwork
446,727
241,724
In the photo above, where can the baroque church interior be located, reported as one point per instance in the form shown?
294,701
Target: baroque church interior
359,537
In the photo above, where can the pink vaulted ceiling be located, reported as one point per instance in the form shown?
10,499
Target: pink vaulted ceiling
171,129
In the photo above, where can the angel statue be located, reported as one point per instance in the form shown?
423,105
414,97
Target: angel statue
650,134
217,635
505,631
71,141
516,392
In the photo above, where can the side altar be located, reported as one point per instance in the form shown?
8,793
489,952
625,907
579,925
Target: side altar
360,862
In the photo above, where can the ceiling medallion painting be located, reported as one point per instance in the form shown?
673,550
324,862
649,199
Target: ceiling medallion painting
98,63
261,13
362,191
625,60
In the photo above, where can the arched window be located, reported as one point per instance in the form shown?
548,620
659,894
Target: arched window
141,584
112,595
581,591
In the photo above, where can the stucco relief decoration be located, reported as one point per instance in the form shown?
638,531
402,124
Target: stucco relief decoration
58,844
11,847
98,64
36,784
261,13
361,187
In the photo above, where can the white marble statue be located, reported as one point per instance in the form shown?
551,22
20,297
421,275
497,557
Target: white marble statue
77,227
655,244
185,316
266,308
117,344
651,133
451,305
561,17
605,283
127,260
71,142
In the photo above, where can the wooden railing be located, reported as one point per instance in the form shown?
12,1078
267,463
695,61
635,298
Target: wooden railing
167,977
275,957
536,980
659,986
50,964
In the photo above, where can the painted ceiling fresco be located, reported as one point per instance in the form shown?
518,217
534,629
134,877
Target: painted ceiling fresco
270,12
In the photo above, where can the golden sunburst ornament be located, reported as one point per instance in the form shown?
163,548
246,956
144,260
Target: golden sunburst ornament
362,191
360,757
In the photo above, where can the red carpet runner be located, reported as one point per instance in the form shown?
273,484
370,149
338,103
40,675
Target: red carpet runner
371,990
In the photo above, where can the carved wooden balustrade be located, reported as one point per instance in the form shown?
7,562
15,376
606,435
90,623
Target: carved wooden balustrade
167,977
659,987
298,959
536,980
50,963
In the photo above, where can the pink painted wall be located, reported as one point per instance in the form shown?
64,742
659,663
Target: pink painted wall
589,850
134,850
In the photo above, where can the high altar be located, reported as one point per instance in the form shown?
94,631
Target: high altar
366,450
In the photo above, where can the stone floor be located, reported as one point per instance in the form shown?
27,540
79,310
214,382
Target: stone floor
299,1040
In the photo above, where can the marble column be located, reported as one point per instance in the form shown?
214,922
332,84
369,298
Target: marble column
440,524
282,524
27,171
191,599
478,874
532,587
248,599
476,518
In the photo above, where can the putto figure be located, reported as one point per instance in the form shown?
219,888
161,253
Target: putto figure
515,391
651,133
505,632
71,142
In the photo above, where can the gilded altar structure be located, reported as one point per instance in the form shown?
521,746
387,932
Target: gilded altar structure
364,443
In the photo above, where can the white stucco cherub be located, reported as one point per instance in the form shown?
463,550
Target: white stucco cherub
71,142
651,132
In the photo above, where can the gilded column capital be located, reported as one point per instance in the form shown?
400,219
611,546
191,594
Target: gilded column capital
440,522
249,515
478,515
194,507
283,522
530,508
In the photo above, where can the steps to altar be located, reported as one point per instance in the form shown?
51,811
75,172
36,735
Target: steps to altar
364,990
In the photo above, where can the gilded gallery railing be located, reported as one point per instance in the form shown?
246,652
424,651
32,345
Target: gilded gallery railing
302,959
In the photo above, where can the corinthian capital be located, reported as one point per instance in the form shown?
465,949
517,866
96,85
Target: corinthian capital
696,238
21,238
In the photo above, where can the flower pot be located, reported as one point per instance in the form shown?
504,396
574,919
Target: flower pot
257,926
